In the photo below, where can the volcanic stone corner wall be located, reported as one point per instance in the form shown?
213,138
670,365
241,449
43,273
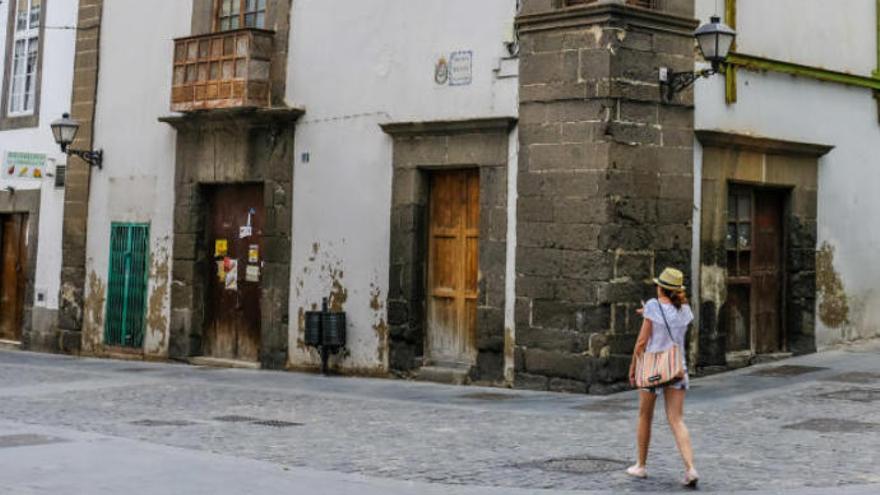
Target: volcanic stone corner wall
605,185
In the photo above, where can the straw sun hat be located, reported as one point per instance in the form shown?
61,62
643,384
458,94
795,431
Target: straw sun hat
671,279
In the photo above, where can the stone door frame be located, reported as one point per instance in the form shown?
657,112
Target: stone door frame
27,202
420,147
762,163
229,147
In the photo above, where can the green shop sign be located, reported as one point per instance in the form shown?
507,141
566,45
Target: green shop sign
20,165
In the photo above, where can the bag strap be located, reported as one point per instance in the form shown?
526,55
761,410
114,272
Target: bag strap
663,314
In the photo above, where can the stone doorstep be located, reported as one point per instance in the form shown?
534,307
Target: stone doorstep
448,374
223,363
11,345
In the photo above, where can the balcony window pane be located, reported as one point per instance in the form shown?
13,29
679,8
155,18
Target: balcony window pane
234,23
226,8
745,236
730,239
36,8
236,7
261,20
228,70
215,71
745,208
21,15
240,69
191,73
250,5
204,46
250,20
203,72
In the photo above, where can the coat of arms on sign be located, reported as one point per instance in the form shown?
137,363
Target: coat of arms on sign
441,71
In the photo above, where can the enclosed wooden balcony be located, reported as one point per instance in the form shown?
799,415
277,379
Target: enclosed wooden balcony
228,69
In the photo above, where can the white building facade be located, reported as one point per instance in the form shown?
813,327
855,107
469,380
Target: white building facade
38,49
482,207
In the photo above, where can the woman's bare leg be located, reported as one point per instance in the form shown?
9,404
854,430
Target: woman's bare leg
674,402
646,417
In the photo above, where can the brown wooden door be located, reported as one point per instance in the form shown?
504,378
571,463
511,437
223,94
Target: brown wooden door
13,269
767,272
233,307
453,267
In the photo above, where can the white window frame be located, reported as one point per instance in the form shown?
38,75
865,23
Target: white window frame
23,82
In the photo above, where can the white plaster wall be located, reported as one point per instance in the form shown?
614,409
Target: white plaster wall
798,109
56,79
137,183
354,65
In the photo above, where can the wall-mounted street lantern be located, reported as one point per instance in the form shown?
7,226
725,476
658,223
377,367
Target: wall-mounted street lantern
715,40
64,130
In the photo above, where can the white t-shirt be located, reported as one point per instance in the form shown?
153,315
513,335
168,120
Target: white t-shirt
678,319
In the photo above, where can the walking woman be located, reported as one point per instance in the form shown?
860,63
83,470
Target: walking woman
665,324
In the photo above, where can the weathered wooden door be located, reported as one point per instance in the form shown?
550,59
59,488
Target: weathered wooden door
235,228
453,267
767,271
13,270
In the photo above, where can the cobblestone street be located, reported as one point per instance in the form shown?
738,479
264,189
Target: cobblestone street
80,425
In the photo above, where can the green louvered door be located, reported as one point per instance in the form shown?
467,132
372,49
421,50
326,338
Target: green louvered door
127,286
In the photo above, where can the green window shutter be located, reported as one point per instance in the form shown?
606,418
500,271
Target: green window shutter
127,285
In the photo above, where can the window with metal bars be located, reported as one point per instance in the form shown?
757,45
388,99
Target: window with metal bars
647,4
127,285
236,14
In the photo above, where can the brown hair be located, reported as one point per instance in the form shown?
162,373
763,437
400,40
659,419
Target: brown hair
678,297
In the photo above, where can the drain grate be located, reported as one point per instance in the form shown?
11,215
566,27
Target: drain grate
234,418
862,377
610,406
831,425
162,422
136,370
787,370
26,440
275,423
576,465
854,394
488,396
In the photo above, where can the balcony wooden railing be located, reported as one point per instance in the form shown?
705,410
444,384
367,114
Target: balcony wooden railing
647,4
222,70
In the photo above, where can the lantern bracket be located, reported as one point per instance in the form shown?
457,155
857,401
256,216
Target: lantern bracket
672,83
93,158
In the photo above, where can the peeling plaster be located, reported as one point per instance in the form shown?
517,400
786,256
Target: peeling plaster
94,313
380,326
834,306
157,319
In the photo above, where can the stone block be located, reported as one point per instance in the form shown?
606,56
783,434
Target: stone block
558,364
573,91
561,315
587,265
595,210
557,236
568,341
617,292
477,149
543,133
548,157
633,134
526,381
534,209
540,68
626,237
567,386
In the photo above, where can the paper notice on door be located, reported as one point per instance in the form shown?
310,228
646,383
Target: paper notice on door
221,247
232,275
254,253
252,274
245,231
221,271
